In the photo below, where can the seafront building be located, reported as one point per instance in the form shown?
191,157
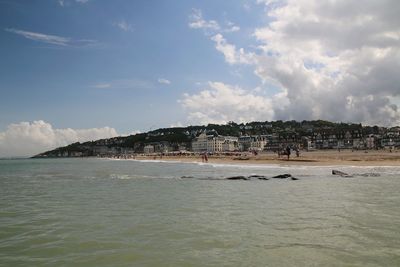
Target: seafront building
211,143
326,139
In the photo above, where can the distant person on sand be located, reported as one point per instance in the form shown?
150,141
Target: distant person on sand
204,157
288,152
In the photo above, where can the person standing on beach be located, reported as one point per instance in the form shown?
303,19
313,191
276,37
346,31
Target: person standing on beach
288,152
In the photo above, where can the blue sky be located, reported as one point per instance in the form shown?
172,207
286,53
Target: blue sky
78,70
58,83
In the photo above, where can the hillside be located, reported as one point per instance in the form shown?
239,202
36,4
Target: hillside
179,138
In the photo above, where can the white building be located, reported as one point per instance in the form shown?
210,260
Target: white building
210,143
199,144
148,149
258,143
370,141
230,143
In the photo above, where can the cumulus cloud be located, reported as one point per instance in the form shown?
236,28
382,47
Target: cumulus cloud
30,138
334,60
220,103
164,81
52,39
198,22
232,55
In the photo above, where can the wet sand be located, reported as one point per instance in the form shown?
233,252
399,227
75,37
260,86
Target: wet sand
311,158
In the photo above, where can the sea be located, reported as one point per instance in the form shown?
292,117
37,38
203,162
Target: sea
104,212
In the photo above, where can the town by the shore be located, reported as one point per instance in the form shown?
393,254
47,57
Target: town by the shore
308,158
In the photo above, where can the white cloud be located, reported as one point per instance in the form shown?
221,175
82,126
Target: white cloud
131,133
220,103
334,60
123,25
325,53
233,28
232,55
164,81
27,139
64,3
177,124
102,85
124,84
51,39
197,21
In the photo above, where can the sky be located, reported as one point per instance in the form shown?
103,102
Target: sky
79,70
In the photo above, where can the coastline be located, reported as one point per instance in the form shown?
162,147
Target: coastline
314,158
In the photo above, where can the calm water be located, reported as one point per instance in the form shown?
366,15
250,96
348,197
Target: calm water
94,212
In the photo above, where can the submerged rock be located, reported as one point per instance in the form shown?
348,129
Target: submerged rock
340,173
283,176
186,177
259,177
237,178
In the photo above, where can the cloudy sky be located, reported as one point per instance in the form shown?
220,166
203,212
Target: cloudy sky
77,70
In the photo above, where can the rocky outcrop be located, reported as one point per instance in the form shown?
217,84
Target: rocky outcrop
282,176
341,174
262,177
237,178
259,177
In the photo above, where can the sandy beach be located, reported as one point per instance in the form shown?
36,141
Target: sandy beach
310,158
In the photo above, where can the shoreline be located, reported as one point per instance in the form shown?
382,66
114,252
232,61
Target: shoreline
314,158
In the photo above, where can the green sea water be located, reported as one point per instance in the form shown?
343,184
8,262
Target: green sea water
96,212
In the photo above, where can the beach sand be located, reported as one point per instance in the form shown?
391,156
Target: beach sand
311,158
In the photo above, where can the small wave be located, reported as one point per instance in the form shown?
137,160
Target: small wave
128,176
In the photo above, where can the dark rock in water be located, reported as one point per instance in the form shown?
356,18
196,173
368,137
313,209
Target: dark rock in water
342,174
256,176
294,178
283,176
237,178
259,177
187,177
